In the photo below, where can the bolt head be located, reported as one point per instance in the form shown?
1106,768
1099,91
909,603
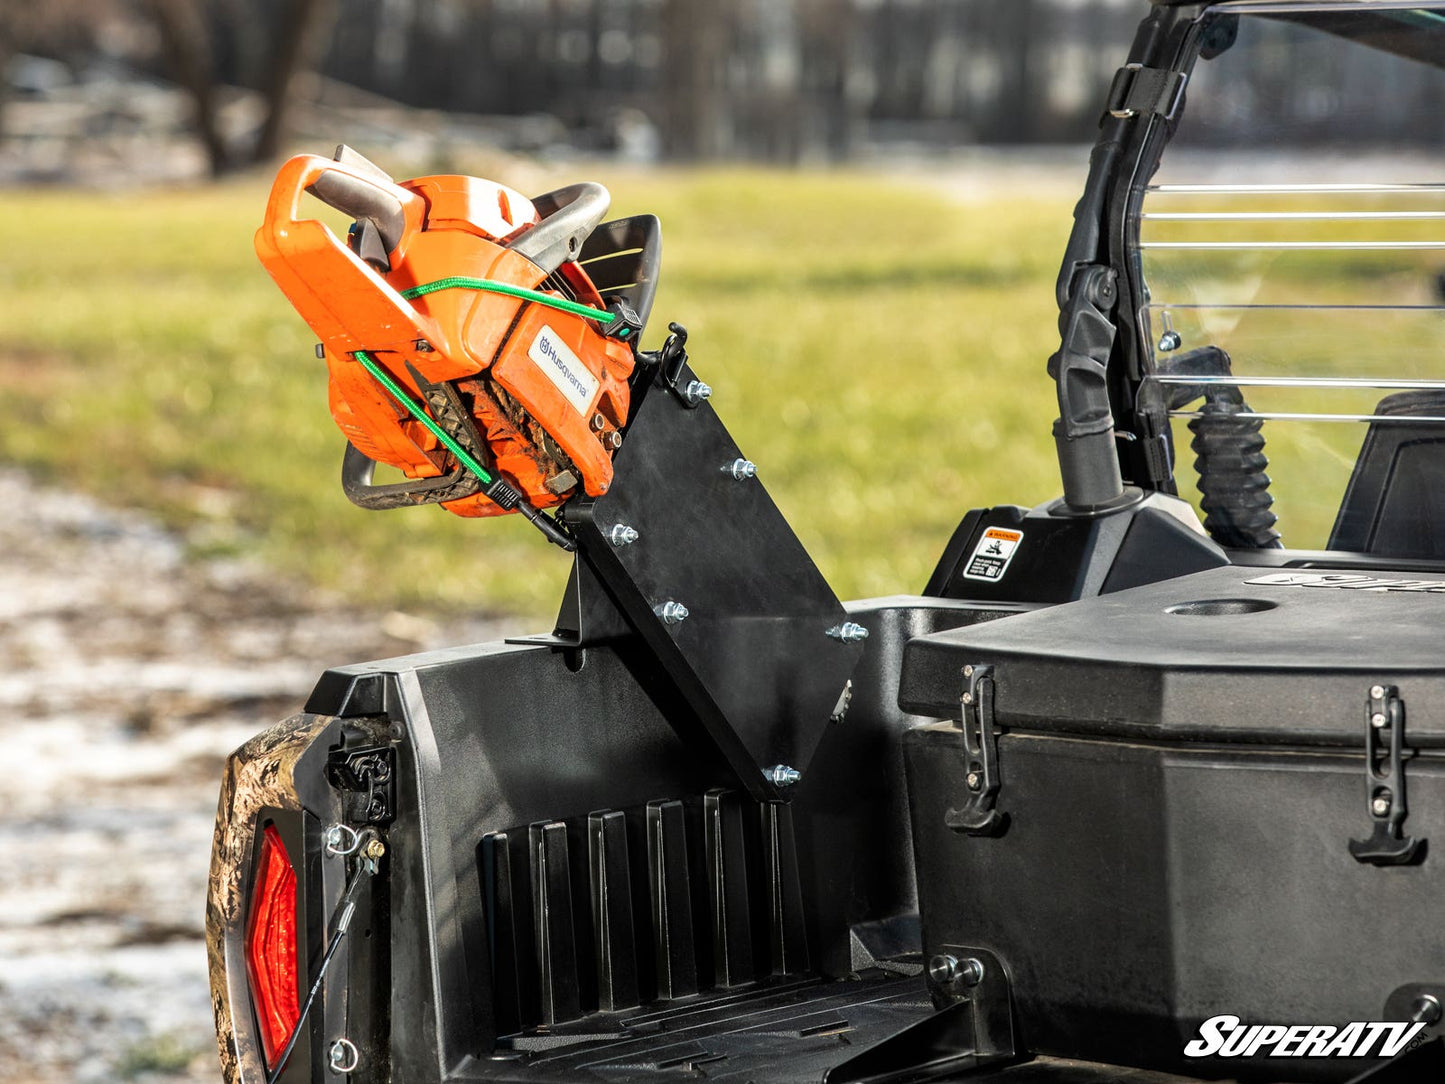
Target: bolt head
967,698
974,780
622,535
970,972
332,838
781,775
1377,692
968,671
951,973
695,392
375,849
742,469
598,422
342,1057
1170,340
1380,806
1426,1010
672,613
942,968
1377,720
849,632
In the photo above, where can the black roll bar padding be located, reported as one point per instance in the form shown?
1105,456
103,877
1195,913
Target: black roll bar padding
1084,431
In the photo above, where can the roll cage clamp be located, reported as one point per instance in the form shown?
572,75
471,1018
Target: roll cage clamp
1137,89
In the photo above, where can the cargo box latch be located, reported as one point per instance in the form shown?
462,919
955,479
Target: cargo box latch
1385,757
978,815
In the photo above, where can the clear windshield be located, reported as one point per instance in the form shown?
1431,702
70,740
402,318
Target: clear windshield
1292,246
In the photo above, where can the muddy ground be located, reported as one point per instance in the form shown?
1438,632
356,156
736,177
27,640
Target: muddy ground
127,672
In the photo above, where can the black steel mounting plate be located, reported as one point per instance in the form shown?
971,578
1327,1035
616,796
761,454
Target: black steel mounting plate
752,659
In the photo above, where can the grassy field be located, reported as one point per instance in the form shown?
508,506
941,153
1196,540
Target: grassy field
876,347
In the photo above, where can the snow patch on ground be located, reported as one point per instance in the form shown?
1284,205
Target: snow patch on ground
127,674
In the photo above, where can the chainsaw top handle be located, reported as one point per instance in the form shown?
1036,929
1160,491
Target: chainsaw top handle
569,215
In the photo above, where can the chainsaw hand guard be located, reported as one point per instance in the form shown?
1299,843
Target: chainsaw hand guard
482,329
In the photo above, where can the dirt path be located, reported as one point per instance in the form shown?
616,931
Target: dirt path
126,675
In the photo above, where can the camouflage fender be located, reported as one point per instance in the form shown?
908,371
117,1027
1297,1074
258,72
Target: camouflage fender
261,774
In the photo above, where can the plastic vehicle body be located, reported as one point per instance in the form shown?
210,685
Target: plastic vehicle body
1116,778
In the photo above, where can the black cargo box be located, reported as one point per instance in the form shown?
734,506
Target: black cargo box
1183,825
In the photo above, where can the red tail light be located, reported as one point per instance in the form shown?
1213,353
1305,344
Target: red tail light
271,946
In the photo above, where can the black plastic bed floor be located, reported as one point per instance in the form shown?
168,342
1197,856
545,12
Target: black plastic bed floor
794,1032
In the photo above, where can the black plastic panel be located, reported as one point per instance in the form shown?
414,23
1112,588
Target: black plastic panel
497,738
1214,656
1141,888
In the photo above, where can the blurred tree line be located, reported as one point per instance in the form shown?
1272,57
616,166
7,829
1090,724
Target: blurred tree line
779,80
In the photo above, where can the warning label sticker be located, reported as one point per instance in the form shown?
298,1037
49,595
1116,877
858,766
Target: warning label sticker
992,554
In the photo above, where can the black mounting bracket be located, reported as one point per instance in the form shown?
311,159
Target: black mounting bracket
972,1030
688,560
1385,757
978,815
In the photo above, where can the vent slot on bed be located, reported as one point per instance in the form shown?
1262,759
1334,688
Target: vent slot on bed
623,908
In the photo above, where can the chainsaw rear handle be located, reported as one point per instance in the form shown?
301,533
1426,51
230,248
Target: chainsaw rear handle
341,295
365,202
569,215
361,193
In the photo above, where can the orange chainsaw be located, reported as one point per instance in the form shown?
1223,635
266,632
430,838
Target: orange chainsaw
479,341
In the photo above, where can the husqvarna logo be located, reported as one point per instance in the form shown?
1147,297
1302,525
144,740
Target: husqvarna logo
564,369
1229,1037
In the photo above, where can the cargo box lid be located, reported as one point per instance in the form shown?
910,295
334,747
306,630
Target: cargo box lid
1229,654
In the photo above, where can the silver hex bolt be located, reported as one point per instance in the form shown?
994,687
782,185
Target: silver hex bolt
1380,806
1377,720
1377,692
672,613
343,1057
695,392
742,469
622,535
849,632
780,775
